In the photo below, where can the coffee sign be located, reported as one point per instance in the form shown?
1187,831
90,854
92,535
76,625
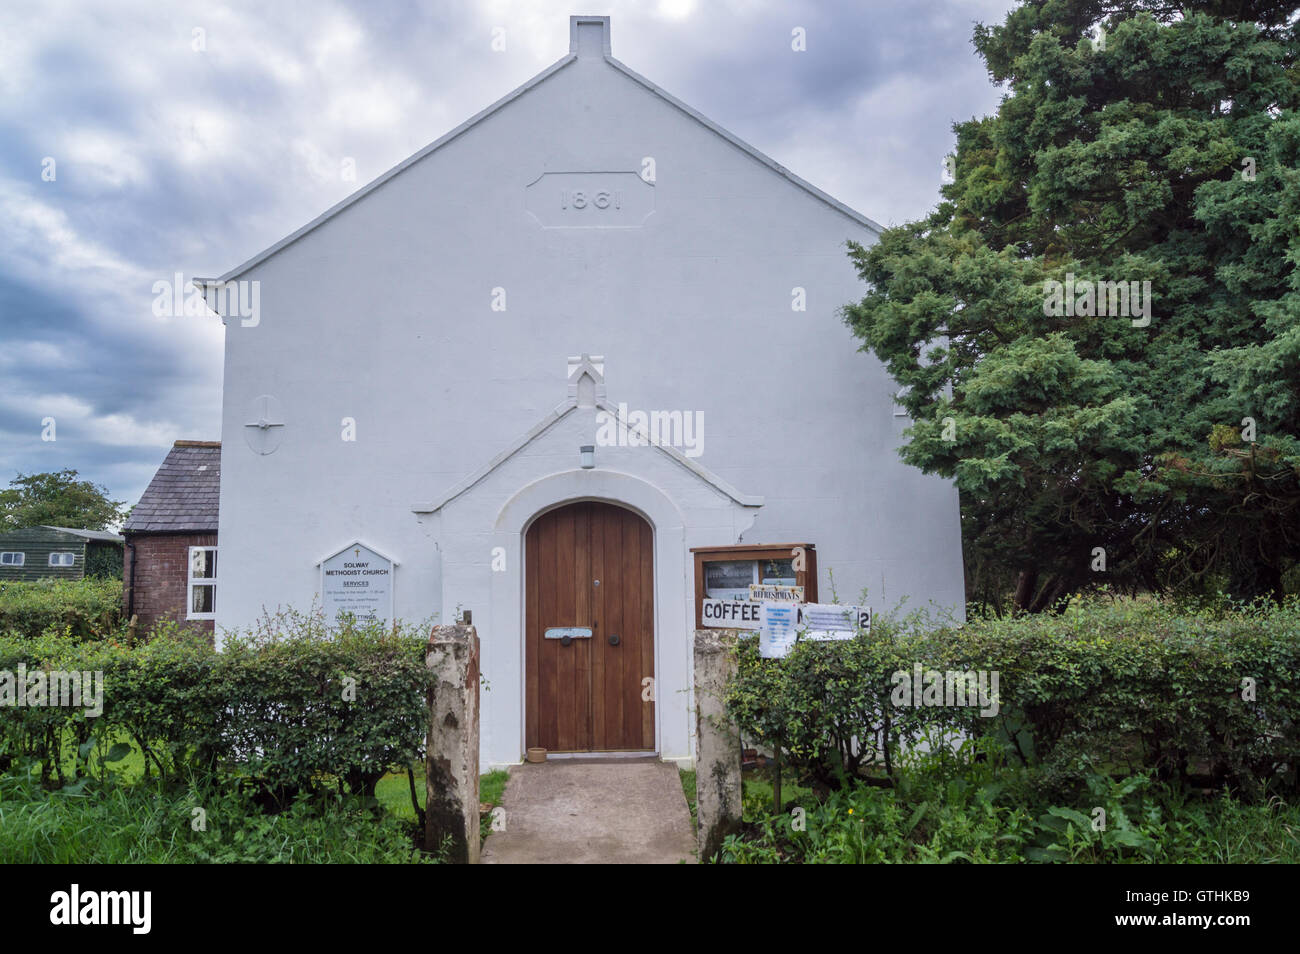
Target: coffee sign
729,614
357,580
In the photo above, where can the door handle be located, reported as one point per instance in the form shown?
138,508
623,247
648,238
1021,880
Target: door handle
613,639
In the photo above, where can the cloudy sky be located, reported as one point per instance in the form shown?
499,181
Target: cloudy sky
186,137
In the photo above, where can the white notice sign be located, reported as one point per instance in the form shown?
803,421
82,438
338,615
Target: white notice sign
358,581
778,628
822,621
778,592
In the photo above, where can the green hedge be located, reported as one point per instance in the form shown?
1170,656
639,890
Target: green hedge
104,562
85,609
1123,686
293,706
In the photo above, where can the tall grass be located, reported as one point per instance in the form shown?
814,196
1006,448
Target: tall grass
104,822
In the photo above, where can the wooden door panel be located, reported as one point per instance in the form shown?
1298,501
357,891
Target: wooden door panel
601,618
588,695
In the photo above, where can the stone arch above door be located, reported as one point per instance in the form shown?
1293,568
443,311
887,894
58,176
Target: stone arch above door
479,528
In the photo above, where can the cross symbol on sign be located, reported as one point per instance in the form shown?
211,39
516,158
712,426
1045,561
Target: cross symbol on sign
357,552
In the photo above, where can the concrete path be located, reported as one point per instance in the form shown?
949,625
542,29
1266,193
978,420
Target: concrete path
587,812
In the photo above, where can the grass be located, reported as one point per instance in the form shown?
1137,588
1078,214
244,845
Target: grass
688,789
394,794
756,793
128,818
106,822
757,790
394,791
969,806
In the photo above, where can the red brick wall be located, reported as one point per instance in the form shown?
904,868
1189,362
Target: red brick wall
161,574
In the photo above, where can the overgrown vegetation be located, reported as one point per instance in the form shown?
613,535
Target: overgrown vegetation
1209,696
202,819
971,806
269,750
81,609
294,706
1172,719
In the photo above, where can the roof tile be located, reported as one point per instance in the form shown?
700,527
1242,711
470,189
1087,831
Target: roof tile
181,496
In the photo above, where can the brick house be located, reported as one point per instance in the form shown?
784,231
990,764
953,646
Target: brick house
170,563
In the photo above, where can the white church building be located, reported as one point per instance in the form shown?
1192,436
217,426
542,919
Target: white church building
573,367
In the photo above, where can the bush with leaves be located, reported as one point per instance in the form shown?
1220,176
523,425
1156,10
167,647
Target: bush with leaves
295,704
85,609
1197,697
1209,696
827,707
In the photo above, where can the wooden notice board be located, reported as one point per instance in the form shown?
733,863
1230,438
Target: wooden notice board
761,555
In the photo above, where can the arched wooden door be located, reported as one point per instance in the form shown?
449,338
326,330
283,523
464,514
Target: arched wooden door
590,566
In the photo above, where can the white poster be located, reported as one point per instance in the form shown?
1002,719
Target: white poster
778,628
827,621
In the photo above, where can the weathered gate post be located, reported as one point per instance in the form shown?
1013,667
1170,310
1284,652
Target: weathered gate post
717,742
451,759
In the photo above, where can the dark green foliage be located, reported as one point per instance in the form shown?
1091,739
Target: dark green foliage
104,561
196,820
58,500
1068,433
80,609
969,806
1197,698
822,698
294,706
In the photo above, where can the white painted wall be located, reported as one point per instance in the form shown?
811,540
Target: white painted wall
382,313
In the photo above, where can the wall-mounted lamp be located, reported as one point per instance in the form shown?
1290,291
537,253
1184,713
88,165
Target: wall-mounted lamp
588,456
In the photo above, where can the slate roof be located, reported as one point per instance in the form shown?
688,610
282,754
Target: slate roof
184,494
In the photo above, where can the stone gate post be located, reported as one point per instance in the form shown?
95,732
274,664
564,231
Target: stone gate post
717,742
451,753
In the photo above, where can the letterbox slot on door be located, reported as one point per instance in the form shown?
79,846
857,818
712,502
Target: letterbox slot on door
573,632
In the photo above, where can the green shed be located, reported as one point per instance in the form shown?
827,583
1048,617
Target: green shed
36,553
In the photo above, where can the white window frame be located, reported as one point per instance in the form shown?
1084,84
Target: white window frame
22,558
62,553
192,581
